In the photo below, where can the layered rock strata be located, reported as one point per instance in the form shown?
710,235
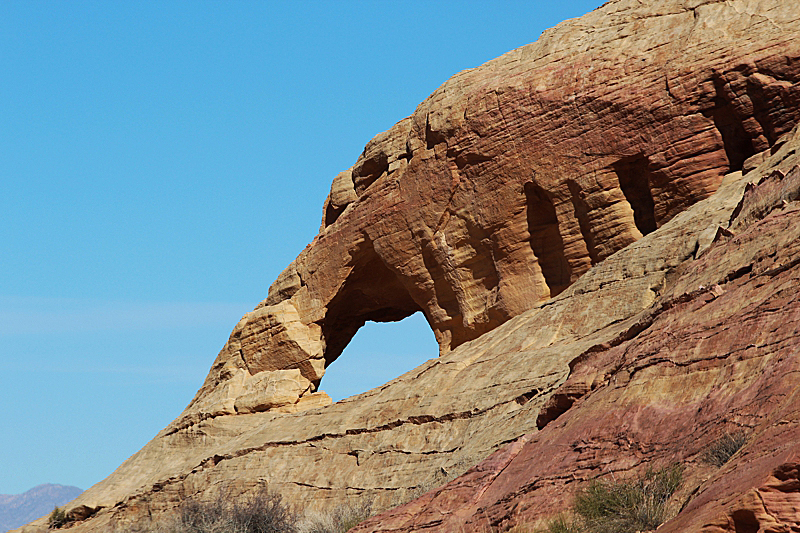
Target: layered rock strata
498,209
514,178
715,354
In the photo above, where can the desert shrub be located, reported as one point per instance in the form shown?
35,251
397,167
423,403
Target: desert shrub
339,520
639,504
57,518
563,524
263,512
721,450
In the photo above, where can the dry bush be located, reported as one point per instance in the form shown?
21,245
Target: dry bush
628,506
339,520
639,504
263,512
721,450
57,518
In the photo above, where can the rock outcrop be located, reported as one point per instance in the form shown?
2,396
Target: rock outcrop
514,178
715,354
551,214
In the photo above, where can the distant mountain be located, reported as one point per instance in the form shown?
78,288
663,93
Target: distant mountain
19,509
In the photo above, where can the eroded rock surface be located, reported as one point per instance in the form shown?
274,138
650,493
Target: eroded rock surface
514,178
499,209
715,354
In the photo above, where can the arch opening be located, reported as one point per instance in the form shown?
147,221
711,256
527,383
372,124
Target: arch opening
370,293
379,353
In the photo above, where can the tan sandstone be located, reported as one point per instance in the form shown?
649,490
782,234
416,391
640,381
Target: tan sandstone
715,353
510,209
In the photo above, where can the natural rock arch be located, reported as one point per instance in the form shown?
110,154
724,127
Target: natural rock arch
495,195
378,353
435,212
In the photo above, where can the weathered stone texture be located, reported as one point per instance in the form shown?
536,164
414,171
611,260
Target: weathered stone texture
551,214
716,352
514,178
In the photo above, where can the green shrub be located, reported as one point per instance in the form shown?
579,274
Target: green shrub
563,524
627,506
721,450
57,518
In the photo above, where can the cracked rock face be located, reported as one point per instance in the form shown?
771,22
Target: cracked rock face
538,210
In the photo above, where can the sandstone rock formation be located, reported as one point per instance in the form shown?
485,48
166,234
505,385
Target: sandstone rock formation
716,352
551,214
512,179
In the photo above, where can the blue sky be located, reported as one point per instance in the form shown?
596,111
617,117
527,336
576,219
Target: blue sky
160,164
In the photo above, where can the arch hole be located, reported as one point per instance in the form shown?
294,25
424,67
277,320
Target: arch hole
378,353
545,238
371,292
635,177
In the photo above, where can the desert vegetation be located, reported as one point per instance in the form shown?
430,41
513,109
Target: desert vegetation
604,506
338,520
721,450
263,512
57,518
641,503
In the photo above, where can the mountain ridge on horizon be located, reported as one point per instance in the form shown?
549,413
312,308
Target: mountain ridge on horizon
19,509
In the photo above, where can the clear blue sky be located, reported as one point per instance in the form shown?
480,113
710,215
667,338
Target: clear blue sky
160,164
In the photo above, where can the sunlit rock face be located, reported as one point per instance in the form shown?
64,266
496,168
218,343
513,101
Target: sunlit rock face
715,354
485,210
512,179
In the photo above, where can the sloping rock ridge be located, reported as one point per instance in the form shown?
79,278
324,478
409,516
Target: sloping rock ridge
572,220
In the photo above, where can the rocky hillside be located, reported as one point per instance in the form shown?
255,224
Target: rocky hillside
19,509
714,355
572,219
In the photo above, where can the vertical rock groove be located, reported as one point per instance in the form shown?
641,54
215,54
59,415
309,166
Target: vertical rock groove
581,212
545,238
635,177
737,142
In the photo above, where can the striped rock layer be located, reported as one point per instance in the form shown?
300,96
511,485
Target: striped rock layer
547,212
